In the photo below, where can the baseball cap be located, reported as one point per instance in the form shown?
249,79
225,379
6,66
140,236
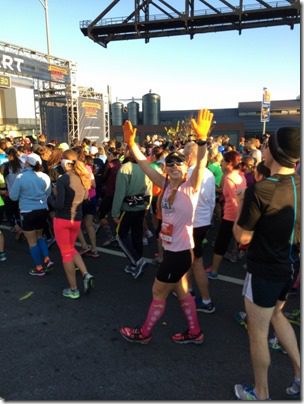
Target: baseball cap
32,159
63,146
93,150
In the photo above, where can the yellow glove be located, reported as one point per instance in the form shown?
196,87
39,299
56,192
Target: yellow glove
202,125
129,133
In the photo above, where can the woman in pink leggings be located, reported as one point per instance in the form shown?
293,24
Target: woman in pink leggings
69,193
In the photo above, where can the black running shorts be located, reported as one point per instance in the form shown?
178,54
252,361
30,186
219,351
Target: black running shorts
264,292
34,220
174,266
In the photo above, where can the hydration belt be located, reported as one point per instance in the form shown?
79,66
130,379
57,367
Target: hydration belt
137,200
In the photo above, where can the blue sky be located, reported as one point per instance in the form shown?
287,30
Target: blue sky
215,70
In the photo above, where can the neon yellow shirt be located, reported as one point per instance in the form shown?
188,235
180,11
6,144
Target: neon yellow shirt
2,185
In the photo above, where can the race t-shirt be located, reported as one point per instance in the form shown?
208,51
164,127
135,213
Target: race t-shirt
178,217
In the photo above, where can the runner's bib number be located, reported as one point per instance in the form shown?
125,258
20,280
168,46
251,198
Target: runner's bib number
166,232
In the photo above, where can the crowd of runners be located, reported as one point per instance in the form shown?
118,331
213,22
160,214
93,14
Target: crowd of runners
174,190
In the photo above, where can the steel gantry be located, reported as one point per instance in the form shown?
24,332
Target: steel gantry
220,15
47,73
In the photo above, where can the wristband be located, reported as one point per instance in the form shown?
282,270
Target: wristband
200,142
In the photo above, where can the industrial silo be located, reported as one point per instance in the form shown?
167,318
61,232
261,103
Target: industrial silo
117,113
151,109
133,112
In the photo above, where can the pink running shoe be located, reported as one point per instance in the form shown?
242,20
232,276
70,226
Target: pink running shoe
188,338
134,335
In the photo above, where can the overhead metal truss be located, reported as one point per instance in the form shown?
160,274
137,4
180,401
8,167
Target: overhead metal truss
216,16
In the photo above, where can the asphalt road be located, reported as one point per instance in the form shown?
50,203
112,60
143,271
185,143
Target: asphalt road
53,348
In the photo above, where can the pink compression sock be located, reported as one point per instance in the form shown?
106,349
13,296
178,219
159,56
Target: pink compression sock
297,282
156,310
188,305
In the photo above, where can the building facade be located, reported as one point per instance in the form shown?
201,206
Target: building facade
235,122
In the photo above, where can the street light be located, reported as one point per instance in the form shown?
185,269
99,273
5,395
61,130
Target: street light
44,4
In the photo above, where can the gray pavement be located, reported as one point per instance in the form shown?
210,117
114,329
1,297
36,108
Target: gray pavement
53,348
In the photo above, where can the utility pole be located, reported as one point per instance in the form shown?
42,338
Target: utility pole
44,4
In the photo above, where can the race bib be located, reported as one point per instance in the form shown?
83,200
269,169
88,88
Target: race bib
166,232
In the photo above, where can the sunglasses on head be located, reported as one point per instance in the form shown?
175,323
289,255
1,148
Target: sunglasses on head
174,162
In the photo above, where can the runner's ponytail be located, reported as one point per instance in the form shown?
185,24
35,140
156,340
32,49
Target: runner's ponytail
83,173
79,168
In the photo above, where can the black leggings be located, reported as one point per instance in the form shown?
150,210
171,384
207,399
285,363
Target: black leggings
133,221
223,237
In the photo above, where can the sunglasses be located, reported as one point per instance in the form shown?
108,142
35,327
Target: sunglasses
174,162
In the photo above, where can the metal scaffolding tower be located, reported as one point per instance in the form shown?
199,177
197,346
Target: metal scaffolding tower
216,16
72,105
45,87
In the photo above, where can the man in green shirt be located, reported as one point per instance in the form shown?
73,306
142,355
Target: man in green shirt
132,197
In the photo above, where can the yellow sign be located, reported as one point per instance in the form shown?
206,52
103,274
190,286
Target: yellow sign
57,73
266,96
90,104
90,109
5,81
